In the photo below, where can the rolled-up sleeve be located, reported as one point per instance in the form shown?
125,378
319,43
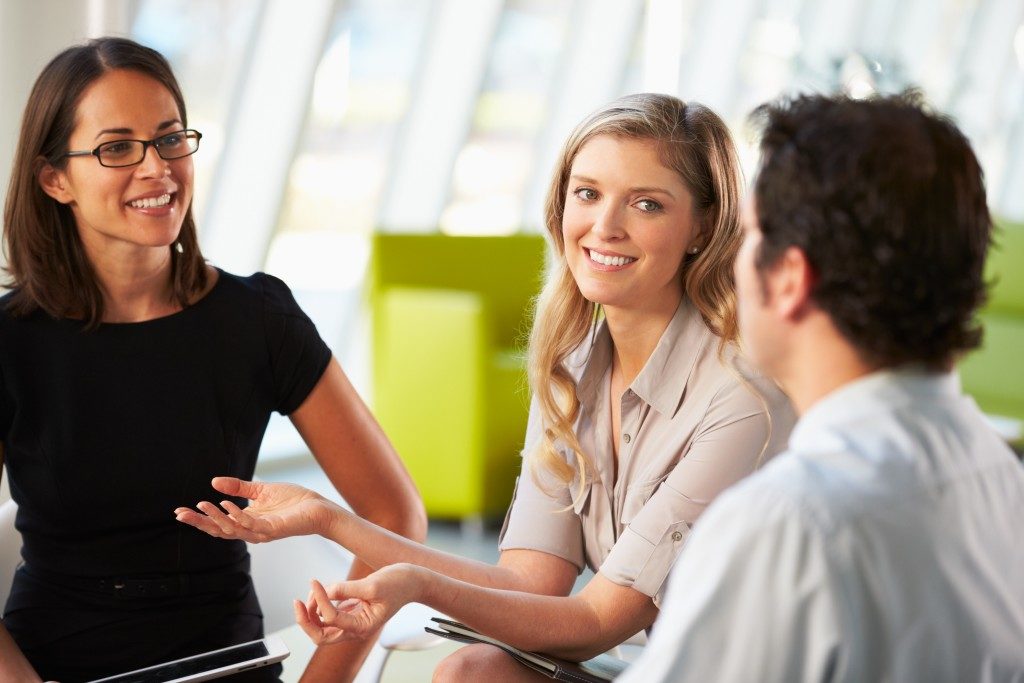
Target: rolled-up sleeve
727,447
537,520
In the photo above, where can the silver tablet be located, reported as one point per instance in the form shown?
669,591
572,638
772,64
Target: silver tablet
214,664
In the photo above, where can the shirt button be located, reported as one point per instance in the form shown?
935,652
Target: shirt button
625,437
676,536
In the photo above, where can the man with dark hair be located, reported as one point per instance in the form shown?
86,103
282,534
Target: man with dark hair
885,544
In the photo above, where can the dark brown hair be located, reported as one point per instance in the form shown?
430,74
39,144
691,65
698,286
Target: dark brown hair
48,267
887,201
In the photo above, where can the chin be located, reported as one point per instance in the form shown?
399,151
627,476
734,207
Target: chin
153,243
606,300
593,294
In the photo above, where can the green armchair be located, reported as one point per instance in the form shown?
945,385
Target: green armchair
449,377
994,374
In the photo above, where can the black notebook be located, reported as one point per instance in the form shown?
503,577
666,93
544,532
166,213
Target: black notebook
596,670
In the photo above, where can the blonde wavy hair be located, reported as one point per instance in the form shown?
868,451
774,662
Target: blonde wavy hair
695,143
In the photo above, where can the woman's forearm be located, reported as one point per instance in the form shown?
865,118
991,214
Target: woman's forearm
360,461
577,627
379,547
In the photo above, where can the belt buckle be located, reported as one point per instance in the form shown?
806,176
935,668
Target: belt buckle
150,587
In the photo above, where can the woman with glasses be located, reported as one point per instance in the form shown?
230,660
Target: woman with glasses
642,411
131,372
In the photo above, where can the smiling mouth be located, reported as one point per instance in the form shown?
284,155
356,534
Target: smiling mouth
151,202
609,260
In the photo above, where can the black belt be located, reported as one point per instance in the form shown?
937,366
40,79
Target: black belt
155,586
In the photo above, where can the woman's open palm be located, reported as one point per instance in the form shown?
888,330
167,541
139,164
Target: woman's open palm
275,511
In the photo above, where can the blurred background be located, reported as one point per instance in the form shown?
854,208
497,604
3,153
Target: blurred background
326,121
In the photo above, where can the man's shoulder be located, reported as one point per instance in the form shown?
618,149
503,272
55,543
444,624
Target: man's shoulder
810,494
857,476
785,492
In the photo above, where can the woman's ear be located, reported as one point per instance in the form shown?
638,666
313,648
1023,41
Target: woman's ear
54,183
698,241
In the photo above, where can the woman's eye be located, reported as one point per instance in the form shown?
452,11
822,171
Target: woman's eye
116,149
648,205
586,194
172,140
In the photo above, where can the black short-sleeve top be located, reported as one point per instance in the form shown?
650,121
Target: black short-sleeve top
106,431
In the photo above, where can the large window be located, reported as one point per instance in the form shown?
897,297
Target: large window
362,91
206,44
498,158
361,94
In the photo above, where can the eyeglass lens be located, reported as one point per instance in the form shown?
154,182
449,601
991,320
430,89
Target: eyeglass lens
128,152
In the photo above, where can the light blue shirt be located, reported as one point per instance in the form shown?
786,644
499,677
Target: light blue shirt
887,544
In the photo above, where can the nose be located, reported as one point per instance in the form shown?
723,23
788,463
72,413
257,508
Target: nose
152,164
608,223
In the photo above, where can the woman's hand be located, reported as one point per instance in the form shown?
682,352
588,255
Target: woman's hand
353,610
276,511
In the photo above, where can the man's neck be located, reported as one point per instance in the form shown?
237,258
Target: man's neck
819,362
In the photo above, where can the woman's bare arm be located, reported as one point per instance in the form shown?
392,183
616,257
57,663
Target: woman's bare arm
578,627
280,510
362,465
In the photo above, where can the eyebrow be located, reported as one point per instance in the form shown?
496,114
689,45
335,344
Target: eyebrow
634,190
128,131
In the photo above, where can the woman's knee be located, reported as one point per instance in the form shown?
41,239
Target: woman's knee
472,663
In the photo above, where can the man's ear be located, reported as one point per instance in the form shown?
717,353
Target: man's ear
54,183
790,282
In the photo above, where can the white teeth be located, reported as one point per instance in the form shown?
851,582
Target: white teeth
610,260
151,202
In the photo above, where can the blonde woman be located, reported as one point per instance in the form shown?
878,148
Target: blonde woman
641,411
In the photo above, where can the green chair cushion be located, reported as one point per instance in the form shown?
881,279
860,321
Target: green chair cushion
994,373
449,382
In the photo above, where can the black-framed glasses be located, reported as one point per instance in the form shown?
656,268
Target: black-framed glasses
118,153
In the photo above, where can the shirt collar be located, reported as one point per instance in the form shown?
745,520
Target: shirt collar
880,391
662,381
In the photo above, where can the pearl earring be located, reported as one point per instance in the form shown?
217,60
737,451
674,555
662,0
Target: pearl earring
178,248
694,250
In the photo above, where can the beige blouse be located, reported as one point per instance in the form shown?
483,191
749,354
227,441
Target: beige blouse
690,427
